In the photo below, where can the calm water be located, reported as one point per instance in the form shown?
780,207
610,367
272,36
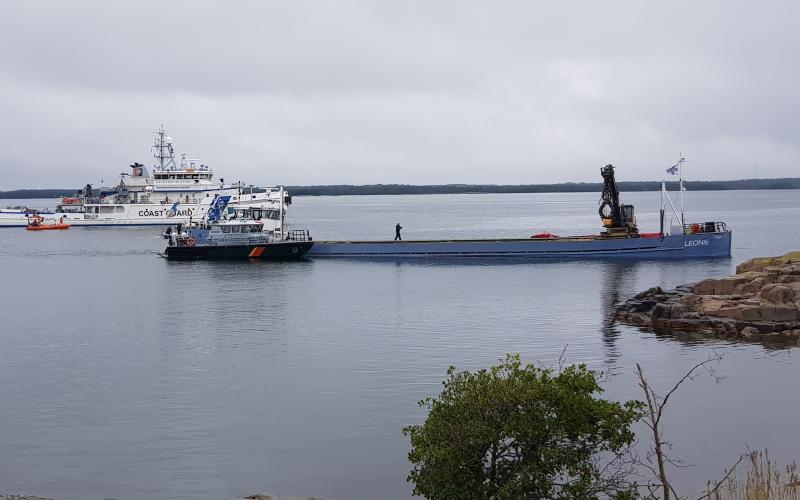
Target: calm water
123,374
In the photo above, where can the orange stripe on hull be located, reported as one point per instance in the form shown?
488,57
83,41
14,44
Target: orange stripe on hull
256,252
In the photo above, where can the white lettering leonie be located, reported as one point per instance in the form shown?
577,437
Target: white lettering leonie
695,243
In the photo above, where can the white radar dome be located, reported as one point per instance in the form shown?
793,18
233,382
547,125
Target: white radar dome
168,140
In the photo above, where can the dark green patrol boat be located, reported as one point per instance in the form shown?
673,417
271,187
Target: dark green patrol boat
241,236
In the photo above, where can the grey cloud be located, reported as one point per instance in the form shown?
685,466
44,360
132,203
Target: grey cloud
418,92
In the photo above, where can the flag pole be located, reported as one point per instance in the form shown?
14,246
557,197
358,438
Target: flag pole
680,173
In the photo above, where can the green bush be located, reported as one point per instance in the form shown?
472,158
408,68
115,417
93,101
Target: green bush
516,431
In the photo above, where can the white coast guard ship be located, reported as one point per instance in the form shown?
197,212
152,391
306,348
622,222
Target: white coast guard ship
173,193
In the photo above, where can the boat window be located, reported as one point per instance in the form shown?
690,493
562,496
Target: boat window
226,229
235,229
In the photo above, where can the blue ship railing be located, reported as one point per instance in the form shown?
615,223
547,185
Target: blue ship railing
705,227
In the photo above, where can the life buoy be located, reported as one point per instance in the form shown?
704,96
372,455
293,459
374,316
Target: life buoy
695,228
190,241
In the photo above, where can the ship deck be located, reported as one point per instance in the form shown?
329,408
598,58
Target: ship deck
697,245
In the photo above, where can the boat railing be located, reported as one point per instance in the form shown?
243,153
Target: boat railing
239,239
705,227
298,235
221,240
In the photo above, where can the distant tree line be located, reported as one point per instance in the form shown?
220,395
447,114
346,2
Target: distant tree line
37,193
564,187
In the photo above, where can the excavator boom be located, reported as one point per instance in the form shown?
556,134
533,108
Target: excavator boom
618,219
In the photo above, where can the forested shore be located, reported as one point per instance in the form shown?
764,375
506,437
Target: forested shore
389,189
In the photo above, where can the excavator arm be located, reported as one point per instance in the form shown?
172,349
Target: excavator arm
618,219
610,210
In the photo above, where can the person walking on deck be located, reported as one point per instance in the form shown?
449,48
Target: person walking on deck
397,229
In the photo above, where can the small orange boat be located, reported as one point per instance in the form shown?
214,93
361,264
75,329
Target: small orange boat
37,224
43,227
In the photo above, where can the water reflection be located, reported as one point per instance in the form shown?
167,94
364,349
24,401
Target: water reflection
616,277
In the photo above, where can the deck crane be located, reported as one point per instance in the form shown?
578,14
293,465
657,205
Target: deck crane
619,220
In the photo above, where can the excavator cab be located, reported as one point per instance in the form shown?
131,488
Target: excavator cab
618,219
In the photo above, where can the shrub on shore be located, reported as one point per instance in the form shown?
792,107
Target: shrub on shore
516,431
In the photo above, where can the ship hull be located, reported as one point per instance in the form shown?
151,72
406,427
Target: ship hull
690,246
284,250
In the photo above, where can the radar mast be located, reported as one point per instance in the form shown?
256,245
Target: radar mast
164,152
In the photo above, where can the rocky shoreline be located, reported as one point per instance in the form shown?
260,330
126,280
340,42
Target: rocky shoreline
761,302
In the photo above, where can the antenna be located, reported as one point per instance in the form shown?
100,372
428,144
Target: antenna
162,142
680,186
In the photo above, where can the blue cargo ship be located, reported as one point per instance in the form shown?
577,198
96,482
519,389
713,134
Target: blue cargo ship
620,239
680,246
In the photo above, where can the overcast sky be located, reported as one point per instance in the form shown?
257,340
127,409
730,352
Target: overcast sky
406,91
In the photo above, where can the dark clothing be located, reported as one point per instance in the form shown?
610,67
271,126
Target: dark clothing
397,229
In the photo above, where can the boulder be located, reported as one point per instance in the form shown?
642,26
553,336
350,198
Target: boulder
758,264
742,312
656,290
788,278
753,286
749,332
776,294
705,287
778,313
732,284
